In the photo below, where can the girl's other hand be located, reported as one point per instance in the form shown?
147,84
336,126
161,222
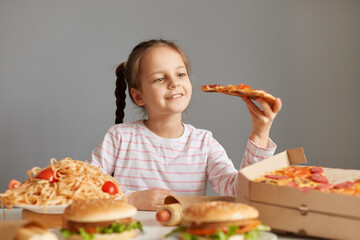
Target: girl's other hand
261,119
149,200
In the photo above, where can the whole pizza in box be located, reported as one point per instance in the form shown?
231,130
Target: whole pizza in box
309,178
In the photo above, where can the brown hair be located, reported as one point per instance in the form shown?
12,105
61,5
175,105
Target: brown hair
127,73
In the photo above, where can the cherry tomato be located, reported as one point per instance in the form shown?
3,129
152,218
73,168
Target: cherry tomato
47,174
110,187
14,184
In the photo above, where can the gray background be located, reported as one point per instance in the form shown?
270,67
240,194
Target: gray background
57,63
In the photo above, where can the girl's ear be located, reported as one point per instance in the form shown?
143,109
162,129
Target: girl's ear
137,97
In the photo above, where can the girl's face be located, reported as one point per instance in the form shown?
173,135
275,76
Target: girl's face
165,85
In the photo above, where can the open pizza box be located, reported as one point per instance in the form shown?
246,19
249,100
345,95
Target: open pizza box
311,213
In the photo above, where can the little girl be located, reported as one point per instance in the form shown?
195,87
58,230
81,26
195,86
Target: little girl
161,155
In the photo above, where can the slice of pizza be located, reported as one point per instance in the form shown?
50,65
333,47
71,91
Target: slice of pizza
240,90
221,88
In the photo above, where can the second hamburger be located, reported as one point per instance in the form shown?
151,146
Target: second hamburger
220,220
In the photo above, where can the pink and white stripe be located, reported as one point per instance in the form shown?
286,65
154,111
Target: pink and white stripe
141,160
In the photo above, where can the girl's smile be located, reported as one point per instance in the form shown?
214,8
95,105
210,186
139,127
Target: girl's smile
175,96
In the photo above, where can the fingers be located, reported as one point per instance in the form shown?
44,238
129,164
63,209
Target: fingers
267,110
277,106
157,197
253,109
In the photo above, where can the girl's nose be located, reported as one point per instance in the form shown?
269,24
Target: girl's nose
174,83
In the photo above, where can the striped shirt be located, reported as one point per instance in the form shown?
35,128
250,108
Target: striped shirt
141,160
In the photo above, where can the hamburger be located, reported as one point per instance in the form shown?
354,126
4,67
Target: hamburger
97,219
219,220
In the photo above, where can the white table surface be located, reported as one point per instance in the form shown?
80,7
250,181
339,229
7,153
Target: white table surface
153,230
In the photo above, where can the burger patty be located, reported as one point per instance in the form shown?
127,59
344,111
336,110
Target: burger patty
220,224
74,226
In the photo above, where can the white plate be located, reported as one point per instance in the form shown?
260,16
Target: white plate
267,236
55,209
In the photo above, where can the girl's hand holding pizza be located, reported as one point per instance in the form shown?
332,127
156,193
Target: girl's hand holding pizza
149,200
261,119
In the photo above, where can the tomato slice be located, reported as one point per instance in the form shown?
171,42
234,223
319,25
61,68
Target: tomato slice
204,231
249,227
110,187
211,231
90,230
14,184
47,174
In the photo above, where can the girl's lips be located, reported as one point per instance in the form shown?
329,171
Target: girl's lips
178,95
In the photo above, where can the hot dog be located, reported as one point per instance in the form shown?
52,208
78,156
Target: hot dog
169,214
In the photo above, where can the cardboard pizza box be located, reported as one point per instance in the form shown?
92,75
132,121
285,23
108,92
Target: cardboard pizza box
286,209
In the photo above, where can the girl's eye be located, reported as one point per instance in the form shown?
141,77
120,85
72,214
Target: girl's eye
159,79
182,74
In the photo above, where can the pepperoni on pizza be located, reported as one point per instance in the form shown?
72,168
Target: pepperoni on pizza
309,178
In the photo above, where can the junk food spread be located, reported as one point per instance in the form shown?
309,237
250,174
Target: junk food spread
61,183
240,90
100,219
219,220
309,178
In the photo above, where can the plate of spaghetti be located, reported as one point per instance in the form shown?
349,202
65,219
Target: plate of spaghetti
51,189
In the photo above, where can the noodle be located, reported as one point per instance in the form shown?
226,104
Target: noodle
76,180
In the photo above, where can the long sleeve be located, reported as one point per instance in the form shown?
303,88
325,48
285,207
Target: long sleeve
255,153
141,160
221,171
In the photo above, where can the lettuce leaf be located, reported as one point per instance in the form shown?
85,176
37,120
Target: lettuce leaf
113,228
219,235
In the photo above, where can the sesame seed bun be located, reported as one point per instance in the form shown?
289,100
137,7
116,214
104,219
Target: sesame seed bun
219,211
97,210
